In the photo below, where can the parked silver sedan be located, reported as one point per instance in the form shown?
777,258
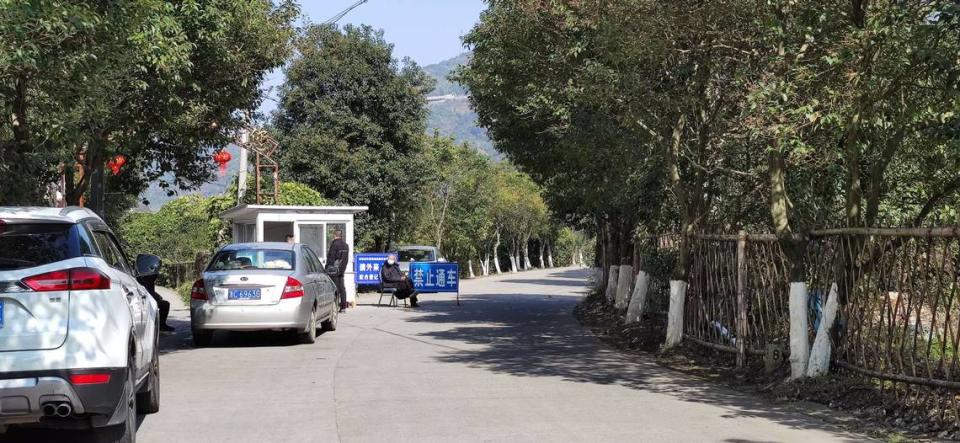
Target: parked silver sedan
263,286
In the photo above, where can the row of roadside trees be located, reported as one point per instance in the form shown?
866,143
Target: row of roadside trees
640,117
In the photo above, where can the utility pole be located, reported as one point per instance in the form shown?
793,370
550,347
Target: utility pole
243,138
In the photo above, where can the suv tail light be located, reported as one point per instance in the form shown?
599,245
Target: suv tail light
199,291
293,289
90,379
76,279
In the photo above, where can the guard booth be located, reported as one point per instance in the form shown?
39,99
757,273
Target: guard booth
311,225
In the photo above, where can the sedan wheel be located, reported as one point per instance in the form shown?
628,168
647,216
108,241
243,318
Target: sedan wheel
310,335
330,324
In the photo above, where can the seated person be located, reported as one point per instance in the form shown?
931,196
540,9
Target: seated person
392,274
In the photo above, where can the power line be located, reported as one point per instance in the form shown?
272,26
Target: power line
343,13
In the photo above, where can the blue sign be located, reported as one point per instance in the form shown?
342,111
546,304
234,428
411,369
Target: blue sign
435,276
367,267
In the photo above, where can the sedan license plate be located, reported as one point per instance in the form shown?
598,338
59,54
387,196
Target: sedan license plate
243,294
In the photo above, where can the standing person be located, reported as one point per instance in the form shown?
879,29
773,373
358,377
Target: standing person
338,255
391,273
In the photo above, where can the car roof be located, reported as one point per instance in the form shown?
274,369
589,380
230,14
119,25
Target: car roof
411,247
282,246
70,214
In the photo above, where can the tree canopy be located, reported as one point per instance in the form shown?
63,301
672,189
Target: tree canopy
161,83
351,123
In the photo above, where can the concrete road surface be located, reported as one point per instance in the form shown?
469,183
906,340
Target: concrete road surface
510,364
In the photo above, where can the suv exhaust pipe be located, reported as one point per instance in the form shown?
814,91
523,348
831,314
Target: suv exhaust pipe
49,409
64,410
59,409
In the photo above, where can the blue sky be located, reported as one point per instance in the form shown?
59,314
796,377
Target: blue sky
428,31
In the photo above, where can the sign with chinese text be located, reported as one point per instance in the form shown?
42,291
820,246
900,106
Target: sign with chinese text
435,276
367,267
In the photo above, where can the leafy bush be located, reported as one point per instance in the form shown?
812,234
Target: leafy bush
184,292
299,194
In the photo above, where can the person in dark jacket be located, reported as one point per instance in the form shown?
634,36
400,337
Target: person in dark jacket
164,306
391,273
338,256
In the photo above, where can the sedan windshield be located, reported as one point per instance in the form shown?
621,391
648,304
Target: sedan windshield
252,259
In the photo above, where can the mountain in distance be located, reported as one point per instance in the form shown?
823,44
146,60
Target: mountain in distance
450,111
441,71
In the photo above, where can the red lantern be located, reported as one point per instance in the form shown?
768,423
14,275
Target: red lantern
116,163
222,158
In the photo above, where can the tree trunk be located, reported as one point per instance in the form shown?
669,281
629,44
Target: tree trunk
470,268
542,247
514,262
526,254
549,255
94,169
496,257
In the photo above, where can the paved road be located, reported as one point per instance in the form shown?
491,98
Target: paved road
511,364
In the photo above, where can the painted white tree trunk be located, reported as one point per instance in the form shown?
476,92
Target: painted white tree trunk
549,255
470,267
624,285
638,299
678,292
580,254
485,265
526,254
612,283
542,264
799,340
820,354
496,257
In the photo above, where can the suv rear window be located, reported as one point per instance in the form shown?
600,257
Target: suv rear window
25,245
254,259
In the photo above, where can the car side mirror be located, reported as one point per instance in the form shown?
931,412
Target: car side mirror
148,266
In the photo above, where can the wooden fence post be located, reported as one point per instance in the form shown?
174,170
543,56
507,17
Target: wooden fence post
741,299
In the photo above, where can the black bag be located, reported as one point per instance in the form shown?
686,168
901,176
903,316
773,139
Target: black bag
333,269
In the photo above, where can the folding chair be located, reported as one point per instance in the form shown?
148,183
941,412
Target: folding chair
389,288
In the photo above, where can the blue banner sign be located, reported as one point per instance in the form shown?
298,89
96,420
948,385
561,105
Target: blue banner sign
367,267
435,276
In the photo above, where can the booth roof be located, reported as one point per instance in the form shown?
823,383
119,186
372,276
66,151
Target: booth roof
249,211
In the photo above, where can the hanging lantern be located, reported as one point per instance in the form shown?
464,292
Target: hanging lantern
116,163
222,158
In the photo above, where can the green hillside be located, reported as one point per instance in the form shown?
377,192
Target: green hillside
453,116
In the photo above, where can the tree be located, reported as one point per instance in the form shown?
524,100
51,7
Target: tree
160,83
351,123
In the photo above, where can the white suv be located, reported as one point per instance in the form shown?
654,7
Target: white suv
78,331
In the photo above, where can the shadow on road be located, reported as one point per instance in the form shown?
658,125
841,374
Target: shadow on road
534,334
